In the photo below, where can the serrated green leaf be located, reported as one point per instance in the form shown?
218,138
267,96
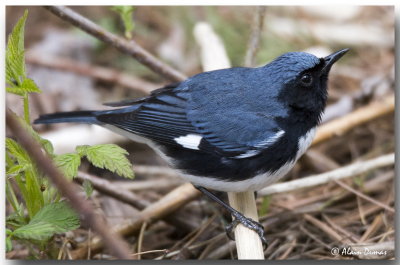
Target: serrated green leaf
29,86
68,163
16,220
36,231
16,169
15,64
108,156
82,149
14,90
51,219
18,152
87,187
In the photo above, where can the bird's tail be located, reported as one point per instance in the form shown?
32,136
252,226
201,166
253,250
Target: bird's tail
74,116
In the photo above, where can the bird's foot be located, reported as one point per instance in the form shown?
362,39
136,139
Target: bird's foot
247,222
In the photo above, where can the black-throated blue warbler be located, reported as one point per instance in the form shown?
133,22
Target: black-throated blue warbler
235,129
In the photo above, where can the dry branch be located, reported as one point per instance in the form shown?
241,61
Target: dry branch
155,171
324,227
129,47
254,41
106,187
344,172
96,72
151,184
166,205
356,118
122,194
70,190
365,197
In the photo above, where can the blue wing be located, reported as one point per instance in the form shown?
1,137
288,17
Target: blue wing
200,114
160,117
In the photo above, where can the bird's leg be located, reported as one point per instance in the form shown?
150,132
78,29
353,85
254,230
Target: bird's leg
238,217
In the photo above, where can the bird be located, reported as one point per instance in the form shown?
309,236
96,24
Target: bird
231,130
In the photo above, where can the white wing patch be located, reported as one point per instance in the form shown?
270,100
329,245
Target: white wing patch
263,144
190,141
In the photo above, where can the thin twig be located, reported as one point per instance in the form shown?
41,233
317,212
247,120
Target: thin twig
350,237
344,172
150,184
108,188
140,239
356,118
129,47
171,202
365,197
122,194
155,171
222,251
97,72
254,41
114,243
151,251
372,228
324,227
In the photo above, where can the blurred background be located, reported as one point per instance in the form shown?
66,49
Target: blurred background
66,64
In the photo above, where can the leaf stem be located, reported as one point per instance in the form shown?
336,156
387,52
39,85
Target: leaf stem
26,108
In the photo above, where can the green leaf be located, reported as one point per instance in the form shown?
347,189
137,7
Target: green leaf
47,145
125,13
15,65
18,152
27,86
29,182
51,219
69,164
87,187
16,169
9,245
15,219
108,156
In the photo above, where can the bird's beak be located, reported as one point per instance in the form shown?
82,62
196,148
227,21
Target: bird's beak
331,59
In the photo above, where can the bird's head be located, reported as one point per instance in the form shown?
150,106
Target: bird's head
302,79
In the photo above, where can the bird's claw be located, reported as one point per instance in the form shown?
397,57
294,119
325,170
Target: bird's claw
249,223
229,229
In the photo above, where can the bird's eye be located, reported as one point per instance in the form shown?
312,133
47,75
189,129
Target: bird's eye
306,79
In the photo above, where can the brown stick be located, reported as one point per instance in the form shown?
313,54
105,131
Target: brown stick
365,197
122,194
324,227
340,173
360,116
166,205
114,243
254,42
123,45
114,191
96,72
